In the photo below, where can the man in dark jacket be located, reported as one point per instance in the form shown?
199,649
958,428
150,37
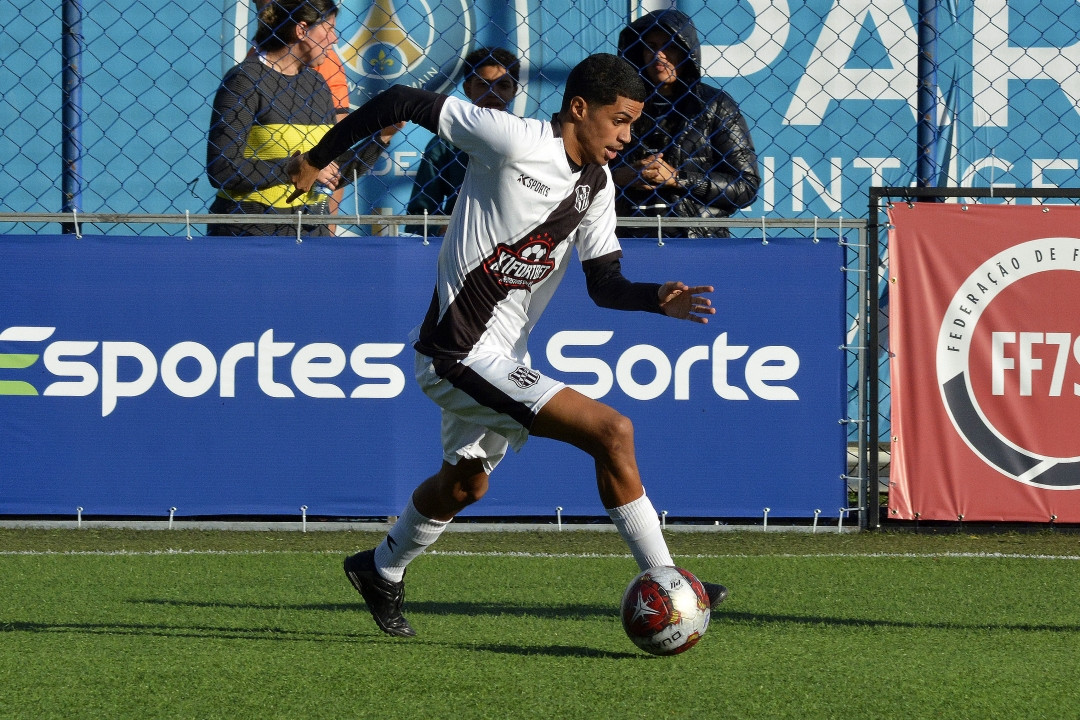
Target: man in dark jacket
692,155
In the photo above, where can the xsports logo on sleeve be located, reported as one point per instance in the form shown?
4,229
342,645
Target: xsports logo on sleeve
1008,362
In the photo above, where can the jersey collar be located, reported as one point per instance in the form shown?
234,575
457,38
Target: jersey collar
556,128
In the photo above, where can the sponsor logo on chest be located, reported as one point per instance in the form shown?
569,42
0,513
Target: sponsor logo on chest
523,267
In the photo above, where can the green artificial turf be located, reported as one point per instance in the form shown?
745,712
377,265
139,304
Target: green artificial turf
194,624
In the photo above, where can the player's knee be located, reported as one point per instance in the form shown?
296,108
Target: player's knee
616,435
462,484
471,489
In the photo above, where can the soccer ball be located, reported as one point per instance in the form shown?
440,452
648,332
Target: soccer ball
665,610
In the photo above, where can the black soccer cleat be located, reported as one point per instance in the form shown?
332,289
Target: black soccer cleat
717,593
383,597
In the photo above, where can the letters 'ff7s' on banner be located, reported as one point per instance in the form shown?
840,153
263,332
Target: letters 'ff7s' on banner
985,342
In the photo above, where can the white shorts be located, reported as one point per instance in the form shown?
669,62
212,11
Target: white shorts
488,401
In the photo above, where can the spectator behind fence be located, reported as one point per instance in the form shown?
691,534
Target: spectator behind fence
692,155
270,106
491,81
333,71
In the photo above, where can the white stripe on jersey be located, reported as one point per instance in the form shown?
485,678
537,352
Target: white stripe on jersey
519,210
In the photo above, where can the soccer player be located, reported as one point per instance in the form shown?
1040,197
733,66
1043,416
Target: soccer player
533,190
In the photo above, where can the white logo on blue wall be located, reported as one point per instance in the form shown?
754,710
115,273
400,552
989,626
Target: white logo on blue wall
119,370
419,44
416,43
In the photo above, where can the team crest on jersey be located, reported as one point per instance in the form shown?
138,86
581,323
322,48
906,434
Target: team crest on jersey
581,198
524,377
522,268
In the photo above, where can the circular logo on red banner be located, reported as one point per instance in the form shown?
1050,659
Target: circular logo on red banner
1008,362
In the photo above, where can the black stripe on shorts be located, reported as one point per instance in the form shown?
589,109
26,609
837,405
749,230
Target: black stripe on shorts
479,389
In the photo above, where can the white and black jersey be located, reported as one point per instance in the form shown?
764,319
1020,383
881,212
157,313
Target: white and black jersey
520,210
522,207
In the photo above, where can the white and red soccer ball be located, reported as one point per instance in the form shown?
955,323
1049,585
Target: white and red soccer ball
665,610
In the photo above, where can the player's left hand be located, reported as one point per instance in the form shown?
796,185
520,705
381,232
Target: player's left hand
686,303
302,174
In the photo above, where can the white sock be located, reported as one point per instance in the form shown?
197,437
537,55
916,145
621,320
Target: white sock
639,526
410,536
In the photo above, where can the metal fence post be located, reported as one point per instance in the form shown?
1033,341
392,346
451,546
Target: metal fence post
871,510
927,125
71,144
867,491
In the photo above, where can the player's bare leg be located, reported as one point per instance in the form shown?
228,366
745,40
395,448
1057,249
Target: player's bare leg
451,490
608,436
602,432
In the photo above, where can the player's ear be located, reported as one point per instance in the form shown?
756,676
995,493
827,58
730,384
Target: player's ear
578,107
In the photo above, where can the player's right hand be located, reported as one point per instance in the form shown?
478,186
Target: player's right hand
302,174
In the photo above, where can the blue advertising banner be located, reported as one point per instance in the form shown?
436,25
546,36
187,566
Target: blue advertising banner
256,376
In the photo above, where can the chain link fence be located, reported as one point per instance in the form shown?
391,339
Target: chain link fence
106,105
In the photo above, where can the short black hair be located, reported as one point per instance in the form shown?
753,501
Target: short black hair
482,57
601,79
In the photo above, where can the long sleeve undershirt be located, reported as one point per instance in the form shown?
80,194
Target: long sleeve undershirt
608,288
391,106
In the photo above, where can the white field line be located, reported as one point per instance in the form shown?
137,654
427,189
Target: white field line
496,554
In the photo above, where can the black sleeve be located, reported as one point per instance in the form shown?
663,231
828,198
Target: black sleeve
608,287
388,107
361,160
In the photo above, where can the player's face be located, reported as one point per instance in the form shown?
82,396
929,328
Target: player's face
662,58
316,41
491,86
604,129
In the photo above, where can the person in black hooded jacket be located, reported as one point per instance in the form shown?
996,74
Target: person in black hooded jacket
692,154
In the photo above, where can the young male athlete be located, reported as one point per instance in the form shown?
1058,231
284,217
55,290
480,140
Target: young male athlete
532,191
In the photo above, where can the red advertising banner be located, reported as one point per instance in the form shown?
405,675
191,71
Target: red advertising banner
985,339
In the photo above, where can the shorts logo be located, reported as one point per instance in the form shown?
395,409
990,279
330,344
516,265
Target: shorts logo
524,377
521,269
581,198
1002,366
